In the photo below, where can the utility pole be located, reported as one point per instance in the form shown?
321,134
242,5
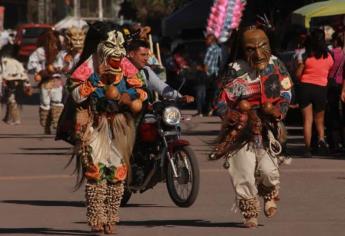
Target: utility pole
45,12
100,8
76,5
41,11
48,11
116,7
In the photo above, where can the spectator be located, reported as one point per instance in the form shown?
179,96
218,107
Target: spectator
299,51
4,38
312,70
181,66
212,63
333,117
199,77
342,95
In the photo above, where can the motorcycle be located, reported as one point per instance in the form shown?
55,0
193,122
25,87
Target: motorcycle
160,155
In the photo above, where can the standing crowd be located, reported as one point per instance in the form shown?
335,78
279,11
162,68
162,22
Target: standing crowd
319,89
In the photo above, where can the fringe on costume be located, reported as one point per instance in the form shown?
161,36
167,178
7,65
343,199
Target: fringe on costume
114,197
249,207
95,195
268,193
123,126
55,115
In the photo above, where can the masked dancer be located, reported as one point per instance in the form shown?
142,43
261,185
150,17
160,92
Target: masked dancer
108,95
252,104
67,58
15,81
50,81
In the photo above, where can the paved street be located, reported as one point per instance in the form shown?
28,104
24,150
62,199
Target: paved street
37,194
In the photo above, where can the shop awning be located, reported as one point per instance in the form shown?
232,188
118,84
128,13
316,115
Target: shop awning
192,16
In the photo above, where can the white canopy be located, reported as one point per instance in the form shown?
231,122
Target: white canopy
70,21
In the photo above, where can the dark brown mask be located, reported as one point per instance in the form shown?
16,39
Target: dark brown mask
256,48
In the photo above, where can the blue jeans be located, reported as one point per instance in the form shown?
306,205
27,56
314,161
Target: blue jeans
200,91
211,91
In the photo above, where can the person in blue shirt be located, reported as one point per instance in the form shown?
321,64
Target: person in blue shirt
212,62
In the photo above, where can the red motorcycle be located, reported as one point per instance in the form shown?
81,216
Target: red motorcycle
161,155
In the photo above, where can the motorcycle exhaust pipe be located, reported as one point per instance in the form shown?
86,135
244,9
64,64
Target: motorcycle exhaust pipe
142,188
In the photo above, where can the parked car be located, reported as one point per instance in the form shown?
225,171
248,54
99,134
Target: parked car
26,38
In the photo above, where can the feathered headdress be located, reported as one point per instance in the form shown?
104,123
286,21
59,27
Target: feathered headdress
225,16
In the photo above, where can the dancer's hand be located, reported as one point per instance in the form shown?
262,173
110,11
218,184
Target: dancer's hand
187,99
276,113
233,117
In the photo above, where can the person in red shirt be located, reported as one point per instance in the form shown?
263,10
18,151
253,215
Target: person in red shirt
333,113
312,70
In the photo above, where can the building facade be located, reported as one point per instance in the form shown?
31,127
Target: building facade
52,11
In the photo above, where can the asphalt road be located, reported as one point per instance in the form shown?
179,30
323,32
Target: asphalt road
37,195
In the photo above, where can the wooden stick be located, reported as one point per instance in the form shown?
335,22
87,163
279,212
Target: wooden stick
158,54
151,43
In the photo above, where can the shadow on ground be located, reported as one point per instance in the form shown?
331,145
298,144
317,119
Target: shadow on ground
129,205
36,151
172,223
41,153
298,152
30,100
26,136
43,231
201,132
46,203
191,223
47,148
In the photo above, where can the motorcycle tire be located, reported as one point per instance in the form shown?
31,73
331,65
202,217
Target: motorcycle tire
185,177
126,196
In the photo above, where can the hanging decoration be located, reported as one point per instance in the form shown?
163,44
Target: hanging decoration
225,16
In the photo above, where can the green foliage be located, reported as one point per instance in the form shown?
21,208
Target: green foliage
155,8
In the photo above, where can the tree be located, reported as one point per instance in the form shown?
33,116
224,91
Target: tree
155,9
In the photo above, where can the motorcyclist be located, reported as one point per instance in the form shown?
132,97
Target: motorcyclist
137,60
138,54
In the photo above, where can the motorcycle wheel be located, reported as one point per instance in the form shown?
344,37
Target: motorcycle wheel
184,189
126,196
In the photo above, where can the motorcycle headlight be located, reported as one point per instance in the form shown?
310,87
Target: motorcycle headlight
171,116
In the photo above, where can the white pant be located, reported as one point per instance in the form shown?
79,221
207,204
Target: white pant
51,96
250,167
